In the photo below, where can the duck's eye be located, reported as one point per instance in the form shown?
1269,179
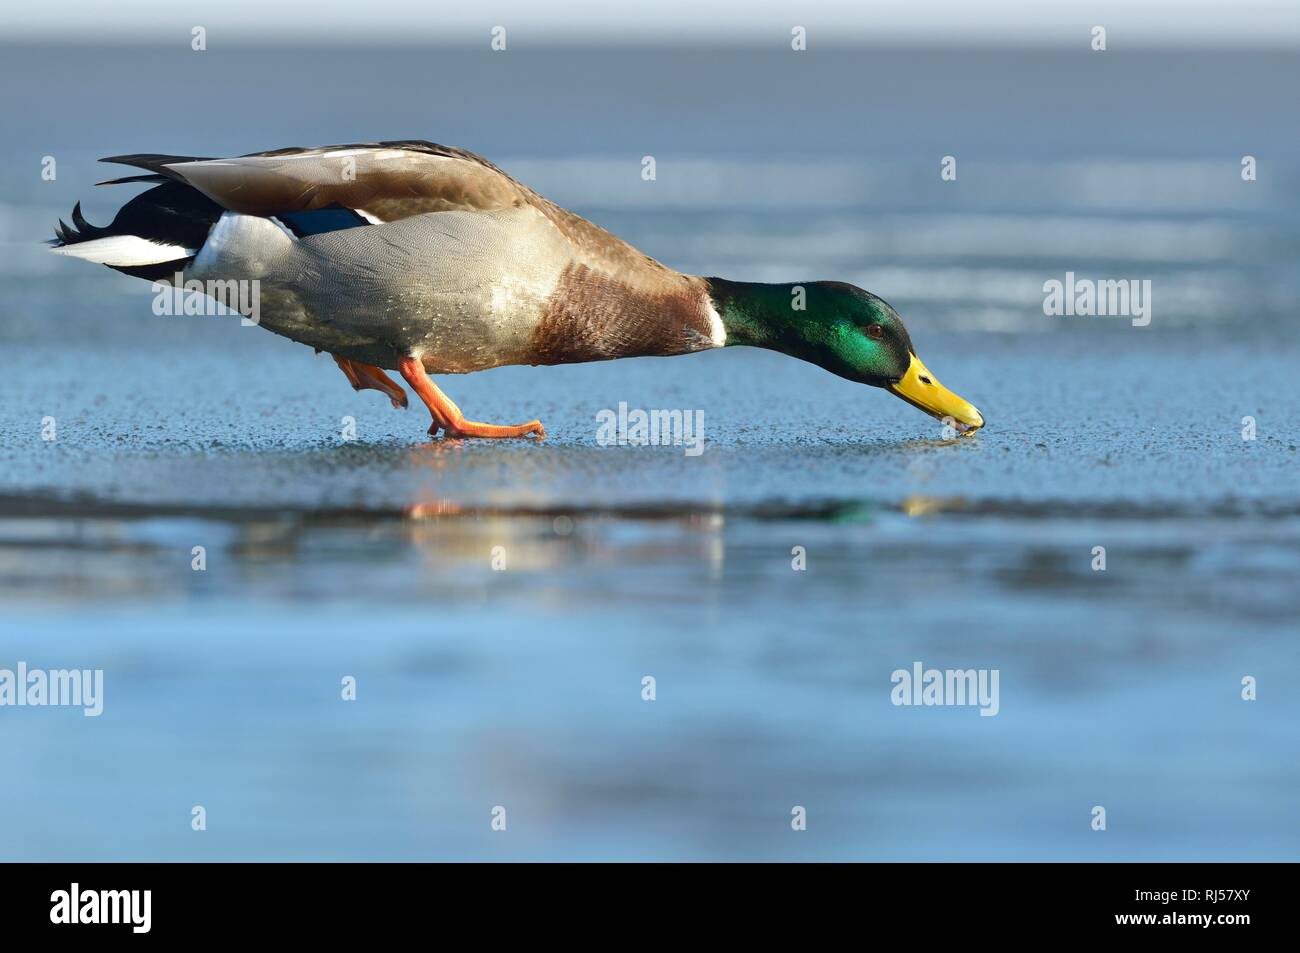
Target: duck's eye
875,332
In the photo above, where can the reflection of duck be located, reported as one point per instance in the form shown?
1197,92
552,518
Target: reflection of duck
429,259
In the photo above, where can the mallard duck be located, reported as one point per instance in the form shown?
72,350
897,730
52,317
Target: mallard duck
428,259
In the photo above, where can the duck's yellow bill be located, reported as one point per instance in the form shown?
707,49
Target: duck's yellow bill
922,389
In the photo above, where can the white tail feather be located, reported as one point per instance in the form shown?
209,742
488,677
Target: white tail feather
124,251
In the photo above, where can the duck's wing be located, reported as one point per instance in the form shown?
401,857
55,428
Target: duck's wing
381,181
384,182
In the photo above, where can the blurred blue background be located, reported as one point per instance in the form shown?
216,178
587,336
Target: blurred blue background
522,688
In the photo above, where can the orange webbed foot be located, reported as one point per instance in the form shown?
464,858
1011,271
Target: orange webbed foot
448,417
470,428
369,377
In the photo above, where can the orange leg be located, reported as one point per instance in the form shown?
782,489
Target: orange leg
448,416
367,377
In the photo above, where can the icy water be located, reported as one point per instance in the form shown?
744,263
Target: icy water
522,686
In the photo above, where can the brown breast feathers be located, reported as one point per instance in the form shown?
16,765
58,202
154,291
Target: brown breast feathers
594,317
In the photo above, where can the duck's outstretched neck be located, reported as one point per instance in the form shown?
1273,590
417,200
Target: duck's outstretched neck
756,314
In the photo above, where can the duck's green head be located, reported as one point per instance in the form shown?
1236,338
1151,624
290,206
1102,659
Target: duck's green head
846,330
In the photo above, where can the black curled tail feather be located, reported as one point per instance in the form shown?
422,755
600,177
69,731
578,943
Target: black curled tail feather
80,230
172,214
